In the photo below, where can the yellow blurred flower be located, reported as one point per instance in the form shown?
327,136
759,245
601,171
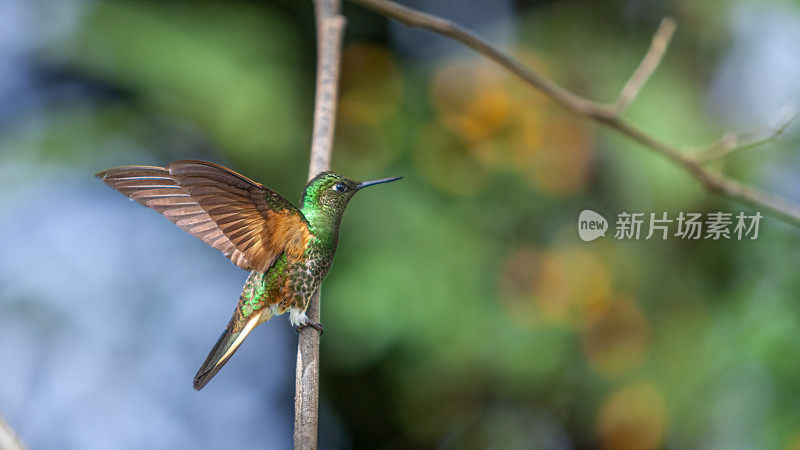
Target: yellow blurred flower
633,418
471,98
561,164
371,85
616,337
561,286
505,125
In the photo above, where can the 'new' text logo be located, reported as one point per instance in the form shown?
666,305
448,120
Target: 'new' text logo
591,225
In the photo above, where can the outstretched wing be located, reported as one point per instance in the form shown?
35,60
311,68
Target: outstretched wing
247,222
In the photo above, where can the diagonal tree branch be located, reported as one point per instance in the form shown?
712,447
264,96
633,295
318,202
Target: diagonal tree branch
445,27
8,439
605,115
330,30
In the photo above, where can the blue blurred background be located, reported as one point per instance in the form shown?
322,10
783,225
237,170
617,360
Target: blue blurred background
462,310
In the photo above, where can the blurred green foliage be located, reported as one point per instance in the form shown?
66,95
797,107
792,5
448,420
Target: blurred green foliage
462,310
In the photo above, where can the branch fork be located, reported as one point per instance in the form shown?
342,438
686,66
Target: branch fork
610,115
330,30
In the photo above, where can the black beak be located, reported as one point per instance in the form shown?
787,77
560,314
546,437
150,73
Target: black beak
364,184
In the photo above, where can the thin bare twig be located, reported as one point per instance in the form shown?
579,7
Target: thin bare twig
735,142
330,30
8,439
605,115
650,62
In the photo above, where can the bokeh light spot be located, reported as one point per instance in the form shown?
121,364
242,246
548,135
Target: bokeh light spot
616,337
633,418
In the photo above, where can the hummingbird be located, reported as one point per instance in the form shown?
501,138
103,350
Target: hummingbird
287,250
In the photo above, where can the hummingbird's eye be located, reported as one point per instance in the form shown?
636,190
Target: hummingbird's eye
340,187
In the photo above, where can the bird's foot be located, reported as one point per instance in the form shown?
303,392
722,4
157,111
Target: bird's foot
315,325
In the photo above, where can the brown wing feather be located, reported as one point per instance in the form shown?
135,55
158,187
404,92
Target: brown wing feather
259,222
250,224
155,188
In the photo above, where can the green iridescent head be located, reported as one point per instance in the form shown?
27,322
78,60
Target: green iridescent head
331,192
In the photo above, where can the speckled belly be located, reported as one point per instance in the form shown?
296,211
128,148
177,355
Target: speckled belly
285,286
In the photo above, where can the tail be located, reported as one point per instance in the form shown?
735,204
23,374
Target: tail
224,349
